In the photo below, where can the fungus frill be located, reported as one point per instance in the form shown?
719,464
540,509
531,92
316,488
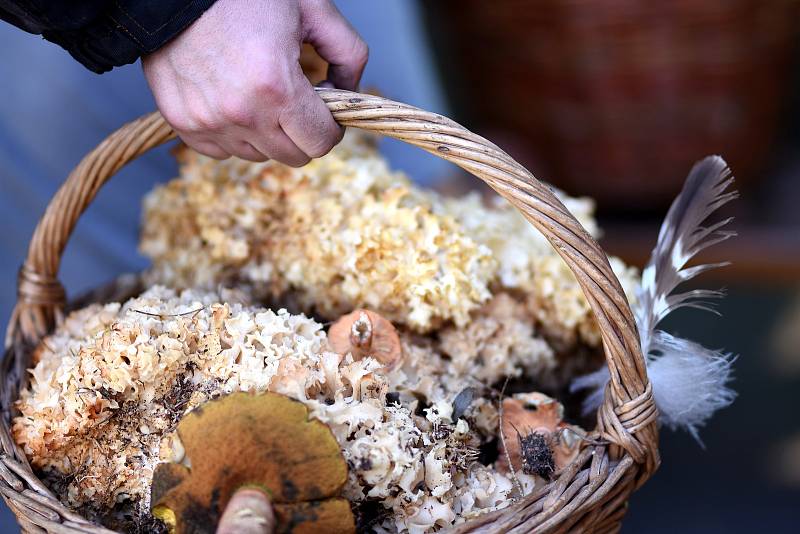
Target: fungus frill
113,382
433,301
346,232
342,232
500,341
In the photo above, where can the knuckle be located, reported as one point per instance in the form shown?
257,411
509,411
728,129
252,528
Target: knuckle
180,121
249,152
321,150
271,86
360,52
208,123
199,121
235,111
182,125
324,144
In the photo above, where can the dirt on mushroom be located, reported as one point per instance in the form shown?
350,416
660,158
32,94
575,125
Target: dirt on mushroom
537,440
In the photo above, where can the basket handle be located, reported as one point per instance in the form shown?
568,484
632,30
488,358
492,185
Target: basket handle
626,418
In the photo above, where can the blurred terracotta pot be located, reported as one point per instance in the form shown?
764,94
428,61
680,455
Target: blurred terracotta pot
617,98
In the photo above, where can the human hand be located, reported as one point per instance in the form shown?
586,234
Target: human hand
231,83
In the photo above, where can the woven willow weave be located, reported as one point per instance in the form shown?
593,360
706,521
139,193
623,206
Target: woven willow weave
589,496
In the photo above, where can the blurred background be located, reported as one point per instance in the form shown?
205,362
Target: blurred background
613,99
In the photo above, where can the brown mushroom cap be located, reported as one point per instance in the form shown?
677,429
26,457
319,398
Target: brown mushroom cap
537,413
266,441
365,333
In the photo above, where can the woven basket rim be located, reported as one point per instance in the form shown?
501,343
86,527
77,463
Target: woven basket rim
589,495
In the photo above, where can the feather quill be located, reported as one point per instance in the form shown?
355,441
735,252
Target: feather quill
689,380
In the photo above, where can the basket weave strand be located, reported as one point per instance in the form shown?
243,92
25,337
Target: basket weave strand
590,495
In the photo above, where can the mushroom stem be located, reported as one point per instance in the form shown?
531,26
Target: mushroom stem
248,512
361,332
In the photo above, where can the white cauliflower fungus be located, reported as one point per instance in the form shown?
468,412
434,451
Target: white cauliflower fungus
475,293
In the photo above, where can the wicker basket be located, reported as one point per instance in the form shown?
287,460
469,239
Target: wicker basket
589,496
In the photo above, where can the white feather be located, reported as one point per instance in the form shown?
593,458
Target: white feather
595,382
689,380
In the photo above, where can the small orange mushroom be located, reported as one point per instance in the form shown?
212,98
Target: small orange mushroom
533,430
265,441
365,333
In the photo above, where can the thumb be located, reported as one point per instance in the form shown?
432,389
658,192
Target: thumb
336,42
248,512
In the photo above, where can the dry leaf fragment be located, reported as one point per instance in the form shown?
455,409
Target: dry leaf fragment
534,430
266,441
365,333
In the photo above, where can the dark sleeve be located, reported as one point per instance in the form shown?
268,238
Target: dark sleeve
103,34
